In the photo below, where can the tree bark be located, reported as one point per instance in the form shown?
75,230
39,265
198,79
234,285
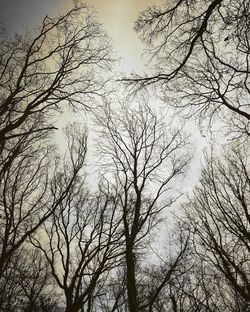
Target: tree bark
131,283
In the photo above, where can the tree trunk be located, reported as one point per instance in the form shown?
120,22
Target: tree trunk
131,284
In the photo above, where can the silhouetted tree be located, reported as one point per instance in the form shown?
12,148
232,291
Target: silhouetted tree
200,55
84,244
82,239
144,158
158,279
27,284
219,218
57,63
32,190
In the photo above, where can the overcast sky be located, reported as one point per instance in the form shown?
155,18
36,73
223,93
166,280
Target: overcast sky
117,16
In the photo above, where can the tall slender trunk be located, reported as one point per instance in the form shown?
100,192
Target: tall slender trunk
131,282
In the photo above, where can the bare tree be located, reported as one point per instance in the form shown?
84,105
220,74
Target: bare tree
195,286
154,281
113,295
82,242
219,218
158,279
55,64
27,285
144,158
200,54
31,192
39,72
